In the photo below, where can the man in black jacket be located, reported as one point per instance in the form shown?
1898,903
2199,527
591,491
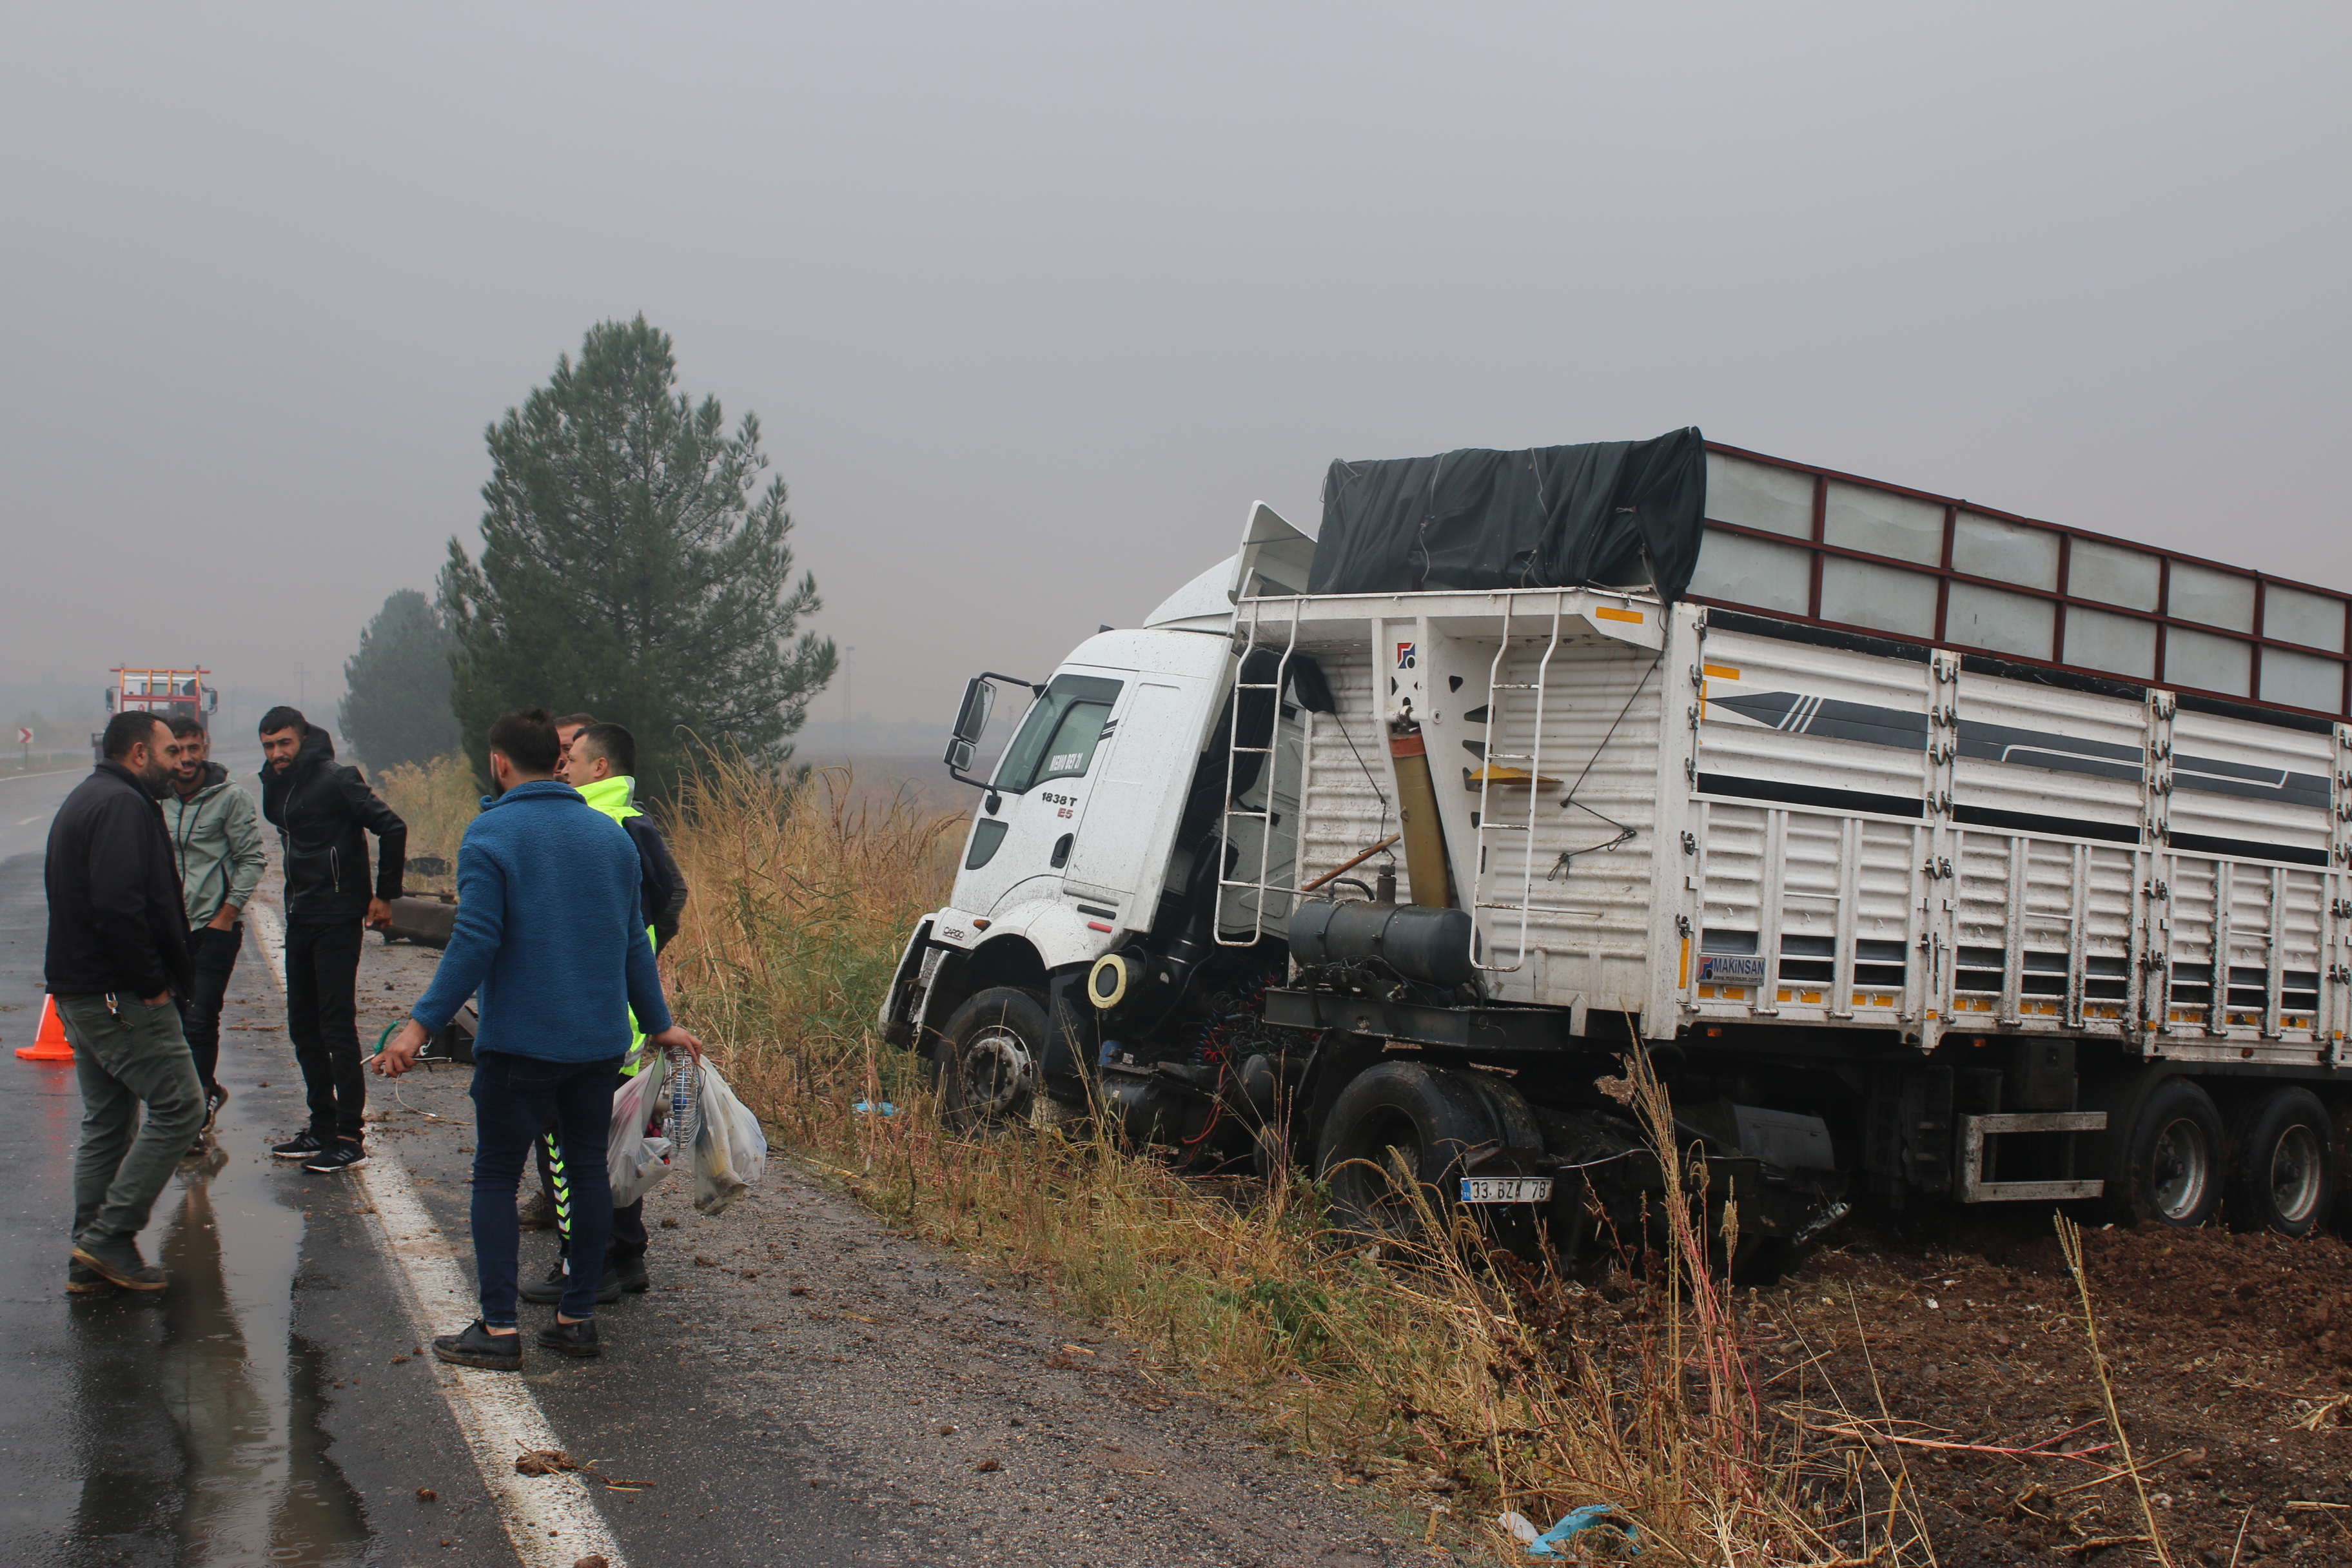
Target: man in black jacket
117,952
322,813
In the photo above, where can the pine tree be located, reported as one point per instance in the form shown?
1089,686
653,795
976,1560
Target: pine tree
634,566
395,707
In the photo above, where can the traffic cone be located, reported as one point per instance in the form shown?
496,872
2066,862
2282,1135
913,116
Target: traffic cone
49,1044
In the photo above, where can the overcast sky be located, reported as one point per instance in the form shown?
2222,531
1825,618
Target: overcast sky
1035,300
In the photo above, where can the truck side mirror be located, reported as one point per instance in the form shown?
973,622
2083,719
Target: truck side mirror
971,718
212,699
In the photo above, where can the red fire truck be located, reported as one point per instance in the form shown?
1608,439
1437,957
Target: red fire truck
166,693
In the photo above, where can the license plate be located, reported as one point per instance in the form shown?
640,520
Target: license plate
1506,1189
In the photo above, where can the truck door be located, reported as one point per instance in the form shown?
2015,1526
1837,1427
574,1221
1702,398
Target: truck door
1019,850
1121,854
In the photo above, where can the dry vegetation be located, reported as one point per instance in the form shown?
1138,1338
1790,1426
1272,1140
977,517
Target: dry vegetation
437,799
1461,1383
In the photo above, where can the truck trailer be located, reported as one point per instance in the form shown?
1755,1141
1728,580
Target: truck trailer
1925,852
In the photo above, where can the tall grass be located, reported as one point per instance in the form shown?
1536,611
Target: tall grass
1446,1371
437,799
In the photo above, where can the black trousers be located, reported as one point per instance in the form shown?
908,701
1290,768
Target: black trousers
322,970
214,954
628,1238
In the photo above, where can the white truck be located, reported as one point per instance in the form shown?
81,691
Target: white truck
1929,852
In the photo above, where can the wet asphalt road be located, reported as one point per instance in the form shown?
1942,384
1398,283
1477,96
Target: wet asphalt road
254,1412
274,1404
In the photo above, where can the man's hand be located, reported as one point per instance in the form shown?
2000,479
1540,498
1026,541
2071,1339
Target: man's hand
676,1039
400,1054
226,919
379,915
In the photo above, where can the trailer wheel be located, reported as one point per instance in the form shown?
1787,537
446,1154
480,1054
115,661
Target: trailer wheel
989,1056
2172,1173
2282,1165
1393,1112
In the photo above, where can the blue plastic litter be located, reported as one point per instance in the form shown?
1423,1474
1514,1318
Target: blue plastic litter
867,1108
1598,1515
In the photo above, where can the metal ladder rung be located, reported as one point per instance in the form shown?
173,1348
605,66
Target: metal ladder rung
1510,827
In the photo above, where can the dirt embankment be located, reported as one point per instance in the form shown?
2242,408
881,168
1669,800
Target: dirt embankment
2230,1358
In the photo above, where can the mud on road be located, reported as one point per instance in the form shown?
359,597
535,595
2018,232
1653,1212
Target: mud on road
2230,1358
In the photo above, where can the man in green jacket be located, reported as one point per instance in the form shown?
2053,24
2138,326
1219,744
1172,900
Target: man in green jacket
216,845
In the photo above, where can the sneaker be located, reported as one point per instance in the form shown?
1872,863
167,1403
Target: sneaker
630,1272
343,1156
536,1213
548,1292
215,1098
570,1339
118,1263
301,1146
81,1279
476,1346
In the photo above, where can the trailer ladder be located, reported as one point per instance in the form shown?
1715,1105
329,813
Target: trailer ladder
1272,750
1498,732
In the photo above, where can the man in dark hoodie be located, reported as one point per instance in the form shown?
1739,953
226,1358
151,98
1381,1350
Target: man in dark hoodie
117,952
322,813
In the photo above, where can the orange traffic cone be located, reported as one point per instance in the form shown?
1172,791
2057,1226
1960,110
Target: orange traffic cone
49,1044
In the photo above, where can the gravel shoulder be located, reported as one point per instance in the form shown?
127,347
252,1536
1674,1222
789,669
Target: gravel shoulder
801,1384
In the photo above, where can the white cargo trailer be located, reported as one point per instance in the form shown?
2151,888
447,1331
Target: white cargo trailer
1927,851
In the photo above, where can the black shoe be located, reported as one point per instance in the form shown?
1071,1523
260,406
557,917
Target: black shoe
301,1146
215,1098
630,1272
570,1339
81,1279
476,1346
118,1263
343,1156
536,1213
548,1292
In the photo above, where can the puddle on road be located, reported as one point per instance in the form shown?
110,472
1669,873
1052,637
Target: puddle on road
258,1484
255,1484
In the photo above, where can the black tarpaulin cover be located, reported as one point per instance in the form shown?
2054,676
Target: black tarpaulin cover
1549,517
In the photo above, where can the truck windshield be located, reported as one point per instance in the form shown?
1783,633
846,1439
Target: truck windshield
1058,738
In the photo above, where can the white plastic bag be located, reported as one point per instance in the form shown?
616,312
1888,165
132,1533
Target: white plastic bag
730,1152
635,1159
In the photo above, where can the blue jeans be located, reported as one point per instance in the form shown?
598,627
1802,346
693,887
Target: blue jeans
512,1098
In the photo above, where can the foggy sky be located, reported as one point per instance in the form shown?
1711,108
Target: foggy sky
1034,301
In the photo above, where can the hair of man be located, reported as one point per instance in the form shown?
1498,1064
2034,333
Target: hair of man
575,721
283,718
613,743
125,730
526,738
184,725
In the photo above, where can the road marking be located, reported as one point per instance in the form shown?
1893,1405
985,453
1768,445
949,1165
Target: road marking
52,773
495,1410
32,819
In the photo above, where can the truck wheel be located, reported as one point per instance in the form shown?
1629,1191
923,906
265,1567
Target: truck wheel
988,1059
1393,1112
2282,1164
2172,1174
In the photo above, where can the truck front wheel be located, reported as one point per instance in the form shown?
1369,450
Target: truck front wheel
2282,1164
988,1059
2172,1170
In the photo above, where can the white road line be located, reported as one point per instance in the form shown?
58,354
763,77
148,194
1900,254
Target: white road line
50,774
551,1519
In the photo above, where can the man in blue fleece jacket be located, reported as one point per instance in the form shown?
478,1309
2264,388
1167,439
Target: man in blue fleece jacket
549,931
